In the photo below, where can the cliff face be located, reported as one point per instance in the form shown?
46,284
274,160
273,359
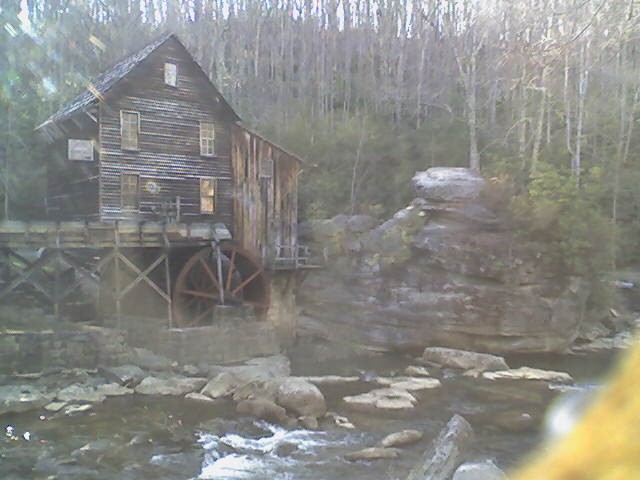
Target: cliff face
445,270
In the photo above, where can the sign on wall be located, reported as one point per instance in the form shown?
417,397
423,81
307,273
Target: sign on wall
80,150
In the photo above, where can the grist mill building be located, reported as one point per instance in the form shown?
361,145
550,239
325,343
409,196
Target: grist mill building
180,222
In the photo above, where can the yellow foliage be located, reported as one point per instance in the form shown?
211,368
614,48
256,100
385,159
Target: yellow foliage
605,445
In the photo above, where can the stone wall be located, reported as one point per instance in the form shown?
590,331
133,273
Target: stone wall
86,347
235,336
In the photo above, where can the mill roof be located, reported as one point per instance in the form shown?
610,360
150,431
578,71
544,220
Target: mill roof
99,86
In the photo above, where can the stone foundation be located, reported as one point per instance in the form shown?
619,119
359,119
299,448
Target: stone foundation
86,347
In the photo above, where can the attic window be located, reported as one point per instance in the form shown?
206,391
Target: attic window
171,74
207,138
129,129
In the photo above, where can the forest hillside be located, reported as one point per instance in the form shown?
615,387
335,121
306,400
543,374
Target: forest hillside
541,95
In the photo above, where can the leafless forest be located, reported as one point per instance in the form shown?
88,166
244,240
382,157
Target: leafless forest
542,94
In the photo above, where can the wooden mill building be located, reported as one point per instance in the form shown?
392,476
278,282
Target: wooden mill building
156,190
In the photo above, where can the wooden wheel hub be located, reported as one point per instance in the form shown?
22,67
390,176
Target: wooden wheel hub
212,277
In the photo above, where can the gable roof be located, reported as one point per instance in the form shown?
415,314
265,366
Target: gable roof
98,87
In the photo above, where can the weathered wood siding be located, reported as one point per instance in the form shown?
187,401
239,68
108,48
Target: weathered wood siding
72,186
266,209
168,142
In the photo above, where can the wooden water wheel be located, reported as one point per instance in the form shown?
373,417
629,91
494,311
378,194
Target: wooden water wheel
226,275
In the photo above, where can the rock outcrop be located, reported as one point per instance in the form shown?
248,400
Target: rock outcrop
446,270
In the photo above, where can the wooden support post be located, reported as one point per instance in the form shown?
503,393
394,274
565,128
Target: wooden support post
56,283
116,267
167,275
220,284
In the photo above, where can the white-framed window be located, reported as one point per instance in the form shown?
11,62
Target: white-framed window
266,168
129,191
171,74
207,139
80,149
208,189
129,129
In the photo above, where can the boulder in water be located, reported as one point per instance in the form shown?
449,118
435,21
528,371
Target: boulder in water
450,448
80,393
301,397
528,373
400,439
126,375
373,453
175,385
383,399
264,410
21,398
463,359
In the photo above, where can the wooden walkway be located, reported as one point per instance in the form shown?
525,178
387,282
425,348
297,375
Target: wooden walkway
120,234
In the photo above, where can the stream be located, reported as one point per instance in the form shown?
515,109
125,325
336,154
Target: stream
137,437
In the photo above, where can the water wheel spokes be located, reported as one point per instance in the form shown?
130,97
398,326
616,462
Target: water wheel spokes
218,276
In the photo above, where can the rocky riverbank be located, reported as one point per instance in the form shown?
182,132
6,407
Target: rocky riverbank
361,422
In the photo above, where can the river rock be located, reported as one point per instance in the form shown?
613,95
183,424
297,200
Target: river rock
447,452
373,453
383,399
527,373
340,420
264,410
21,398
260,368
309,422
125,375
199,397
486,470
416,371
221,386
301,397
416,384
150,361
80,394
75,409
175,385
330,380
113,390
463,359
401,439
55,406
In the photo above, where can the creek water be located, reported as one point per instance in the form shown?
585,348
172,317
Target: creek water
139,437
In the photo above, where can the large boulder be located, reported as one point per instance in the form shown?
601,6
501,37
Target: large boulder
448,184
125,375
450,448
301,397
80,393
223,385
175,385
21,398
263,409
382,399
455,358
